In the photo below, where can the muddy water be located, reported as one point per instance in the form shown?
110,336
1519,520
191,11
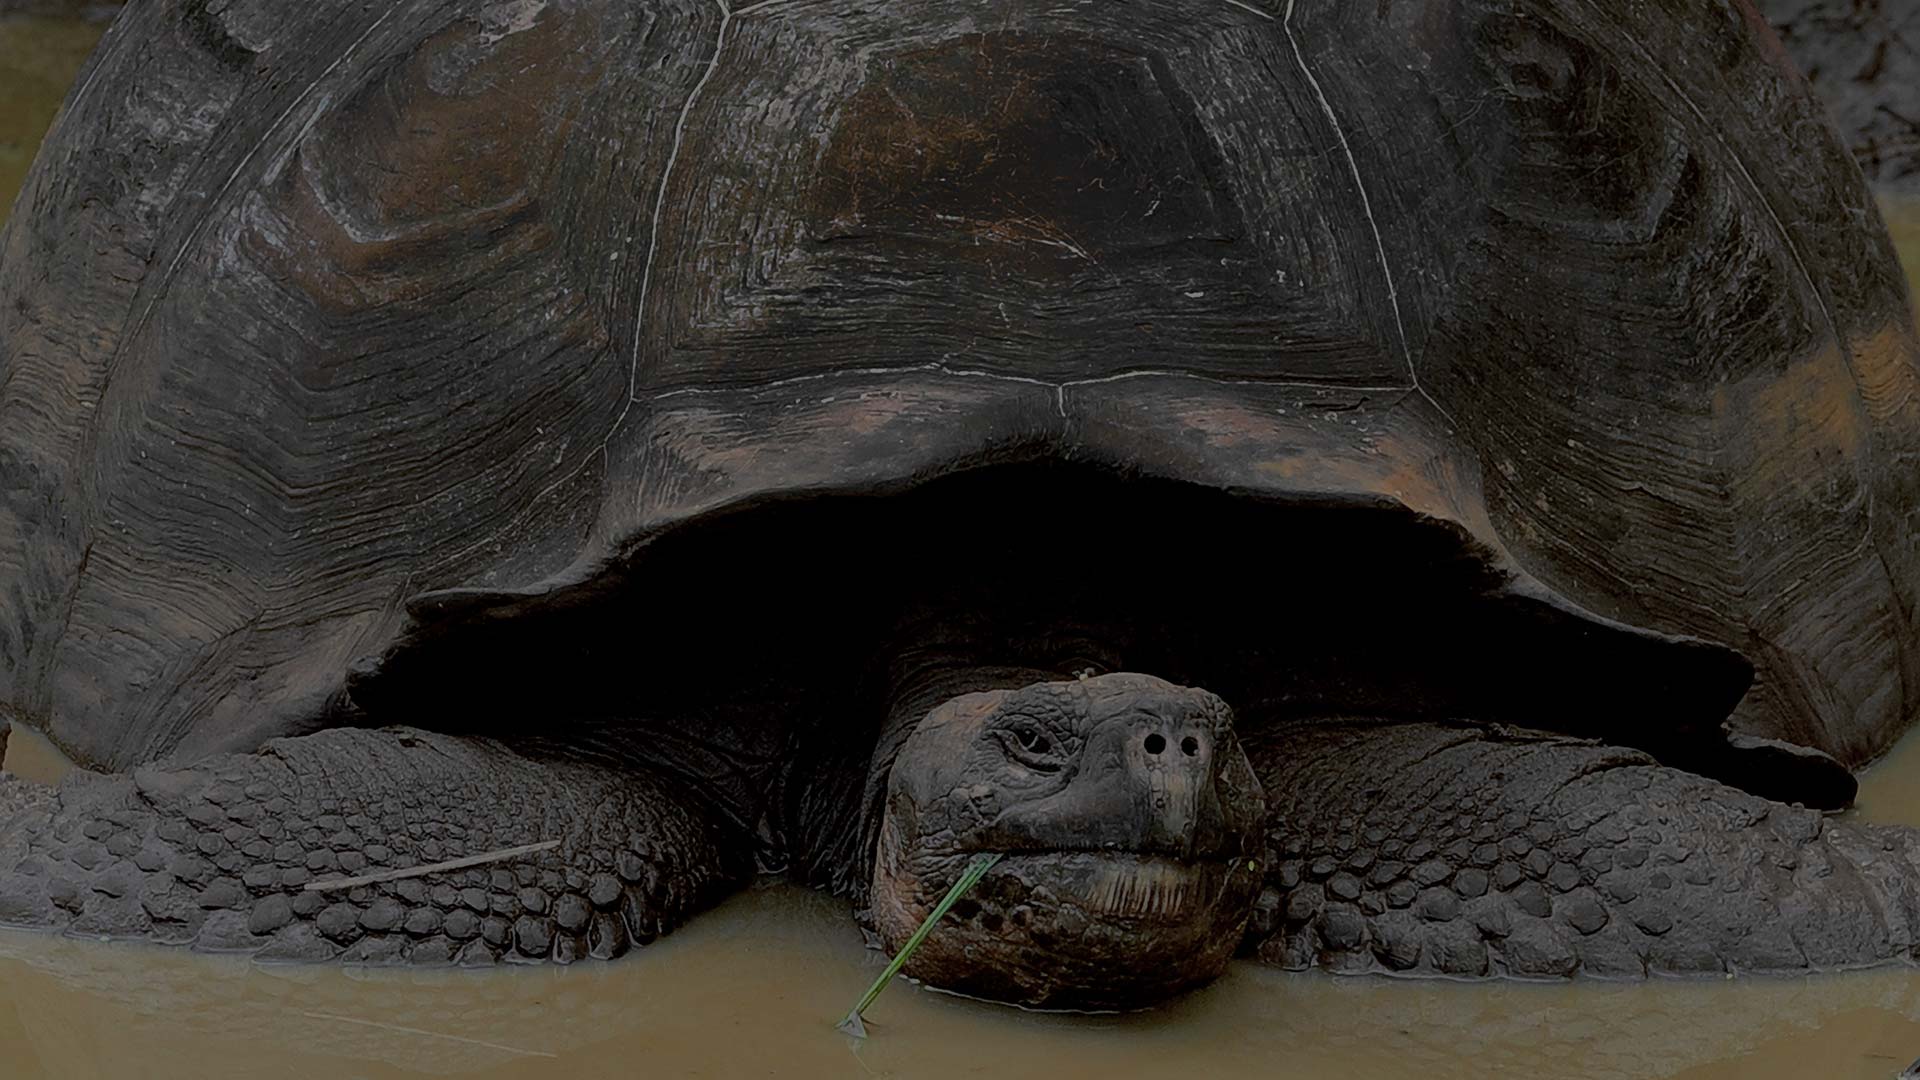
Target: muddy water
753,988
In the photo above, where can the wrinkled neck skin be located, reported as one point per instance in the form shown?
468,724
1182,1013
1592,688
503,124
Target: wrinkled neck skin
1125,814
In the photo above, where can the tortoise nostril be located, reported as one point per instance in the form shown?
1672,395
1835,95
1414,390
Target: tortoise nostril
1189,746
1155,743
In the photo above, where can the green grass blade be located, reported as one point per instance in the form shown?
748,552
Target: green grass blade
976,869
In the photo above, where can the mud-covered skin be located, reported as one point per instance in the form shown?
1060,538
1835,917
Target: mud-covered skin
219,855
1471,852
1125,813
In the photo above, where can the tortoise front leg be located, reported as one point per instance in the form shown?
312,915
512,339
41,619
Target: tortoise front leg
1463,851
450,849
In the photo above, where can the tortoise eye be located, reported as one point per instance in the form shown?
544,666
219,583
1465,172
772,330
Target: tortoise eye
1031,746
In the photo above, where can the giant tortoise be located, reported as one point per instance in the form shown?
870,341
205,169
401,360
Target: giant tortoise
1425,486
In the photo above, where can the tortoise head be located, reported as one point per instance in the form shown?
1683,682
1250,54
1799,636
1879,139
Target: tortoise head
1127,818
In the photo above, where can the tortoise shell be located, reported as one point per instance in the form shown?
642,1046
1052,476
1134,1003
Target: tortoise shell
328,328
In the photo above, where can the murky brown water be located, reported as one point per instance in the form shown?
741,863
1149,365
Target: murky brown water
754,988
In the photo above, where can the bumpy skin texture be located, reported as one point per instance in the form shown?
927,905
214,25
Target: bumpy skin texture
1470,852
218,856
18,796
1125,813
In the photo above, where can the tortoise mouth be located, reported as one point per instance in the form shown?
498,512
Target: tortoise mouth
1078,930
1335,605
1110,885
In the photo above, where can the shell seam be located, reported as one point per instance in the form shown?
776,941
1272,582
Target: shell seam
1059,388
1366,206
653,227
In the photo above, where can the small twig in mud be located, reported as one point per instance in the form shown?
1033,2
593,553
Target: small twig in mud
431,868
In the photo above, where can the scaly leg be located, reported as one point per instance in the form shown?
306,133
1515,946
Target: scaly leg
1461,851
222,854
